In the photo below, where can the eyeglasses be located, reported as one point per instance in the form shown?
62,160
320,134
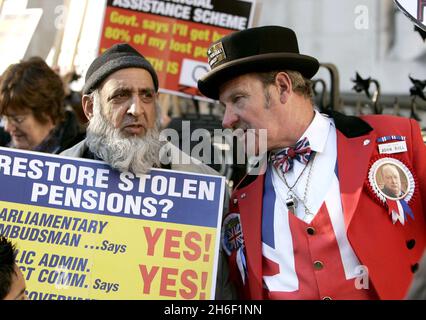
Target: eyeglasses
15,120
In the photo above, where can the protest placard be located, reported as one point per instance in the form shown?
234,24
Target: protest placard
174,35
86,231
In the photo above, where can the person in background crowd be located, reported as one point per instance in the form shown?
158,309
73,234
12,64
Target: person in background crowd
73,98
314,225
120,99
12,282
32,108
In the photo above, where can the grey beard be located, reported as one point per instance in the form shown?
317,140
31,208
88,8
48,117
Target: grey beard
135,154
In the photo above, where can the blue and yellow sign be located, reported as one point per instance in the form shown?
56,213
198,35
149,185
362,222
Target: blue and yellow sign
86,231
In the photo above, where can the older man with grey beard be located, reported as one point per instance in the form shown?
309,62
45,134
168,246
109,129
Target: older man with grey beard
120,100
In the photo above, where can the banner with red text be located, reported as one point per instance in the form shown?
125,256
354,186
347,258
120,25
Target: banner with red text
174,35
86,231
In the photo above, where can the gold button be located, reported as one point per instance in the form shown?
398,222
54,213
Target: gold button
310,231
243,196
318,265
327,298
235,201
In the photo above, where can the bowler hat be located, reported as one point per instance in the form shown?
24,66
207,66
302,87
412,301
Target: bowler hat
260,49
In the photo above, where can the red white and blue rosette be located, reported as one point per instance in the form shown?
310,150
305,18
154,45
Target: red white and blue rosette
233,240
232,233
398,206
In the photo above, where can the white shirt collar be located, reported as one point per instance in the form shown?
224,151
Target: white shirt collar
317,132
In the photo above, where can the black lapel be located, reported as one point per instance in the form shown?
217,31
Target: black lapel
350,126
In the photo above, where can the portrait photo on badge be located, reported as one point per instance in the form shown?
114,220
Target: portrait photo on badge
391,180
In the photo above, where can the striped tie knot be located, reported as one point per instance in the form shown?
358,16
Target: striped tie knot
291,153
284,159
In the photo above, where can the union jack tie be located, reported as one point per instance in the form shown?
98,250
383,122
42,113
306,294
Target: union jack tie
284,159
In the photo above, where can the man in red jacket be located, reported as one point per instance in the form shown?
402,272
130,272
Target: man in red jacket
316,224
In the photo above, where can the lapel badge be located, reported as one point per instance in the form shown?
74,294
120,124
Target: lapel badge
392,144
392,184
232,233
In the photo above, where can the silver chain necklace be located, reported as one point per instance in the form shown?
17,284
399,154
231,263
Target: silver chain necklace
292,198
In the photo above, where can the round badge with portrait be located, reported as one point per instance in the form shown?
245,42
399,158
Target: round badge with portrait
391,179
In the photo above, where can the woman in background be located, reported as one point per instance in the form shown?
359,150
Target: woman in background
33,111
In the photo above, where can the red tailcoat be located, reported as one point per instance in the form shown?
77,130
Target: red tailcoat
390,251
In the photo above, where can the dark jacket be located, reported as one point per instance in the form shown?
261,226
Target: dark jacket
65,135
4,137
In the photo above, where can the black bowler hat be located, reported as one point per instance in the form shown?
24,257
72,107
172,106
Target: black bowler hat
260,49
119,56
